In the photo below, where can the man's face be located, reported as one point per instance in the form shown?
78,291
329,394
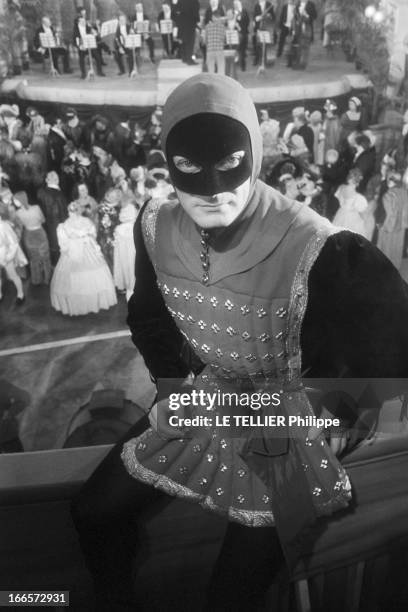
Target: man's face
264,115
220,210
139,7
82,191
214,5
46,22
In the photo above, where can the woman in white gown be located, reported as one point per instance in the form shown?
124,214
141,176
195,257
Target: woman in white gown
124,252
82,282
352,205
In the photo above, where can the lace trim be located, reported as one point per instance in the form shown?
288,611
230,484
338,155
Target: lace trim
149,221
250,518
299,299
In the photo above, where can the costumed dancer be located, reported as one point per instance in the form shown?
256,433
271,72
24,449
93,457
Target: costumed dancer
392,231
239,287
352,205
34,238
82,282
11,255
124,252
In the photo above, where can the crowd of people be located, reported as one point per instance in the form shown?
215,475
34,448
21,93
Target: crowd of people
222,34
71,191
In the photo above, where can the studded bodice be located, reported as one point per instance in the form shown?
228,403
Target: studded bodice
246,325
236,335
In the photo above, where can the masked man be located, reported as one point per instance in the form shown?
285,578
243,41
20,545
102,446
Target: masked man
261,289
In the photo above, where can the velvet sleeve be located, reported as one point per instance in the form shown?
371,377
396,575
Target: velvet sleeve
356,321
154,333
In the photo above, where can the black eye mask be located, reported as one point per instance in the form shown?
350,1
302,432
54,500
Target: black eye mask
206,139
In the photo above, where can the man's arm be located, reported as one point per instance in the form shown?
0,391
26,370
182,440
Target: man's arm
154,332
355,324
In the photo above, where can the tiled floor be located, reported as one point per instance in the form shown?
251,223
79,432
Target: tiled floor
61,379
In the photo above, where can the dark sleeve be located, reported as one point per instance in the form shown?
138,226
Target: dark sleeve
355,325
163,348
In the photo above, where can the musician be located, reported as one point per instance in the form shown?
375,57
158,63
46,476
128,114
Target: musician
286,20
214,10
189,21
82,29
241,17
121,51
140,17
166,13
59,52
310,8
263,10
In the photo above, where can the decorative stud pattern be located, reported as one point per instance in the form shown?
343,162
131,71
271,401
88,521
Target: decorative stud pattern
203,482
205,348
219,353
190,319
163,458
181,316
245,310
141,446
264,337
323,464
223,467
246,336
234,355
201,324
317,491
281,312
215,328
240,499
223,443
279,336
219,491
231,331
197,448
176,292
210,457
183,470
338,485
200,298
261,312
251,358
241,472
229,305
265,499
194,343
186,295
268,357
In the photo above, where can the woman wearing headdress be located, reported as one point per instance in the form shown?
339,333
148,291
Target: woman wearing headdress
350,121
82,282
238,289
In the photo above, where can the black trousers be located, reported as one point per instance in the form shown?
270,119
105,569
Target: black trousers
187,45
96,56
57,54
284,31
105,514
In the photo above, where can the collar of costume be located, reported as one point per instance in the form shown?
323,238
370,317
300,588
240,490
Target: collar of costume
222,104
232,250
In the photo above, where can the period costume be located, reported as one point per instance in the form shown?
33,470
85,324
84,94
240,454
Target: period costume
35,240
392,232
124,252
352,205
249,306
82,282
54,205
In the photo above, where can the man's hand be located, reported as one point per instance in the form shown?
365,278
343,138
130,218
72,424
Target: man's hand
338,436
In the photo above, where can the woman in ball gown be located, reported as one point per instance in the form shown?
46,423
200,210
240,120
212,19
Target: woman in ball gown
124,252
352,204
82,282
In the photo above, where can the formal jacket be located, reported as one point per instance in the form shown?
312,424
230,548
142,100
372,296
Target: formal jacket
77,34
243,22
268,13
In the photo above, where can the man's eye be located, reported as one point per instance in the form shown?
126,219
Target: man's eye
185,165
231,161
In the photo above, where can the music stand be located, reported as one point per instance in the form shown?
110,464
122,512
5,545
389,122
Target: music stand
133,41
264,37
89,42
48,42
231,38
142,28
